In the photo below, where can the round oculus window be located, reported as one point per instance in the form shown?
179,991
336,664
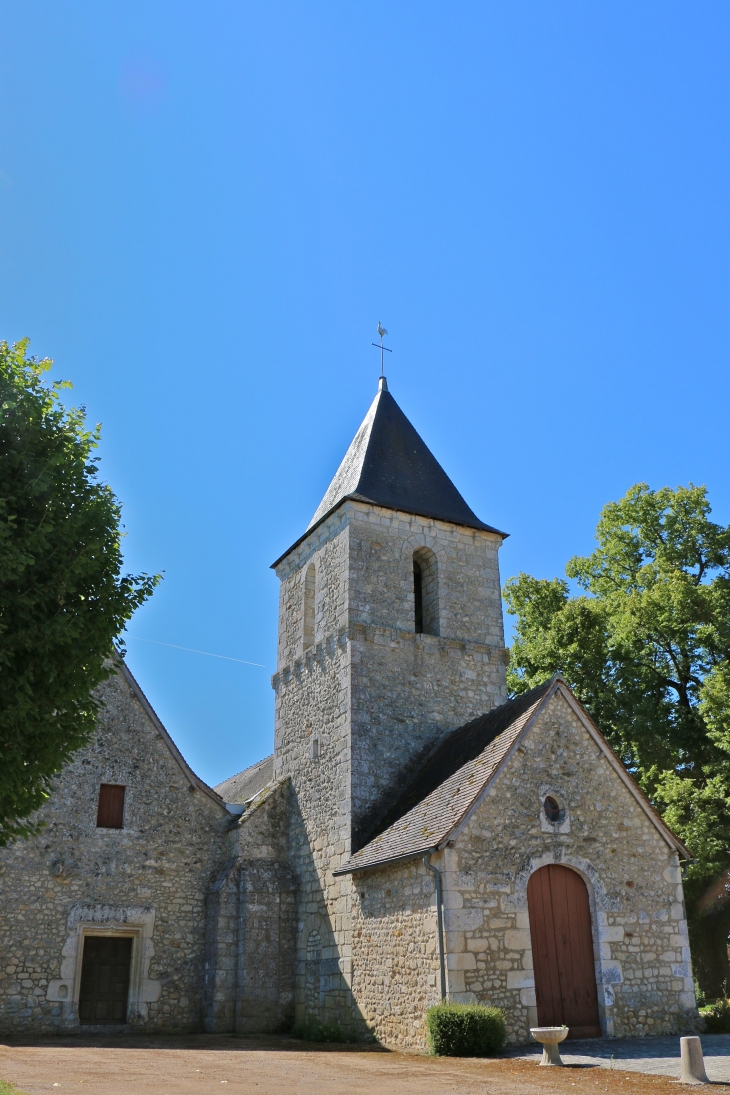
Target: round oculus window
553,811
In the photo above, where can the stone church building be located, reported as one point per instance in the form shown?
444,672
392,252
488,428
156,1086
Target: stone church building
416,835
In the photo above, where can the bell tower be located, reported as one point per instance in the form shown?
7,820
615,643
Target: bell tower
390,635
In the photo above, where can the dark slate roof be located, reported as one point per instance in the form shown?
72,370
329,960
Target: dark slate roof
388,464
448,783
247,784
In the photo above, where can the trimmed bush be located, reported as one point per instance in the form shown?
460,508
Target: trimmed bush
717,1018
312,1030
465,1030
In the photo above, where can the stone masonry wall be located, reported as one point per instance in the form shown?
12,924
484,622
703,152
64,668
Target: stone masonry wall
355,711
311,743
149,879
408,689
395,951
641,946
251,924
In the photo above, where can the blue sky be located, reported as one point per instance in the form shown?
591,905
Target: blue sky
205,208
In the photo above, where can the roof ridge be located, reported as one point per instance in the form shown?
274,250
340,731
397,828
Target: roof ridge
464,743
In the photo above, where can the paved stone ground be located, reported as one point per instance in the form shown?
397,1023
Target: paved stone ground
204,1065
655,1056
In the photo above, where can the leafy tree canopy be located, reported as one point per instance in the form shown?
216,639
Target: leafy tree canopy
644,641
63,599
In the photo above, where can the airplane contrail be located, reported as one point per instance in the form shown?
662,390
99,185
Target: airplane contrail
190,650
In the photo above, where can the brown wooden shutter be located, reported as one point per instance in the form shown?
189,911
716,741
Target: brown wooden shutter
110,814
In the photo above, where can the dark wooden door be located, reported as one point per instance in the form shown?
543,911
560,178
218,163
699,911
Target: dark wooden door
105,979
562,951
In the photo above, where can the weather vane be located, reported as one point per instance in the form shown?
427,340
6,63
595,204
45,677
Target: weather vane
379,346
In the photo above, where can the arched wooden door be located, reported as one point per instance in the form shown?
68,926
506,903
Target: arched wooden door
562,951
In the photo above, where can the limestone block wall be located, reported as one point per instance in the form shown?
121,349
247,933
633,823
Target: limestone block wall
251,924
312,750
641,947
267,925
408,689
395,951
149,879
355,711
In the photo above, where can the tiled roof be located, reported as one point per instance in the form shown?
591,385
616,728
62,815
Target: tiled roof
448,783
388,464
246,784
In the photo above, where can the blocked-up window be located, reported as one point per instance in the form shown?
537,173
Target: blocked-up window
310,580
110,814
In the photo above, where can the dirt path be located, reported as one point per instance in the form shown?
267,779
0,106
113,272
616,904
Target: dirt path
200,1065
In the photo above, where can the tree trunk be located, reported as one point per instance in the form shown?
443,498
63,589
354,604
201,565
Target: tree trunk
709,941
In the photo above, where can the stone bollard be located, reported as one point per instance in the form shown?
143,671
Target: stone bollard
693,1063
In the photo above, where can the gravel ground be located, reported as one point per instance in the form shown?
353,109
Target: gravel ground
202,1065
655,1056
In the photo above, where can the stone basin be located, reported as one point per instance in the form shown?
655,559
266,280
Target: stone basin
550,1037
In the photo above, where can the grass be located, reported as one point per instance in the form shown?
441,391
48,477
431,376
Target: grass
9,1089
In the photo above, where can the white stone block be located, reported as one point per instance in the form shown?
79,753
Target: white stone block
516,940
465,961
611,934
456,982
455,942
463,919
520,979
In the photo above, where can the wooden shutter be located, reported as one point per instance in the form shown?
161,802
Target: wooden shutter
110,814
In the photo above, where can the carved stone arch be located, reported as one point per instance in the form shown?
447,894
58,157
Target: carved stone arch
309,591
314,937
608,972
421,564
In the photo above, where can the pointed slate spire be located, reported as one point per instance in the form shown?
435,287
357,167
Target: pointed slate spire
389,465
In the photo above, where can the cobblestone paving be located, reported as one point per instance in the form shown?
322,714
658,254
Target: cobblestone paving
657,1056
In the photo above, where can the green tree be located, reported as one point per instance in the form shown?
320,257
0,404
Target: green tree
644,641
63,599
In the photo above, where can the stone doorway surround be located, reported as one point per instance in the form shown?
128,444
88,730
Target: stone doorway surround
608,971
135,921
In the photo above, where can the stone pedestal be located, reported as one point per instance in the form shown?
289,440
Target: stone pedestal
550,1037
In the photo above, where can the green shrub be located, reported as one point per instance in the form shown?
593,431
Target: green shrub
312,1030
717,1018
465,1030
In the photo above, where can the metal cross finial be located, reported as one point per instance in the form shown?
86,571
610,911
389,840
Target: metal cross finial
379,346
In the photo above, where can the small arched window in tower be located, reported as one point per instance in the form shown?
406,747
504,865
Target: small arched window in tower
309,589
425,592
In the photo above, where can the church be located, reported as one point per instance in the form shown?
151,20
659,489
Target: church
415,836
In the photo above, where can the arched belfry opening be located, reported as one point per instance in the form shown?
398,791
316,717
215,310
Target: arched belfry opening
310,583
425,592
